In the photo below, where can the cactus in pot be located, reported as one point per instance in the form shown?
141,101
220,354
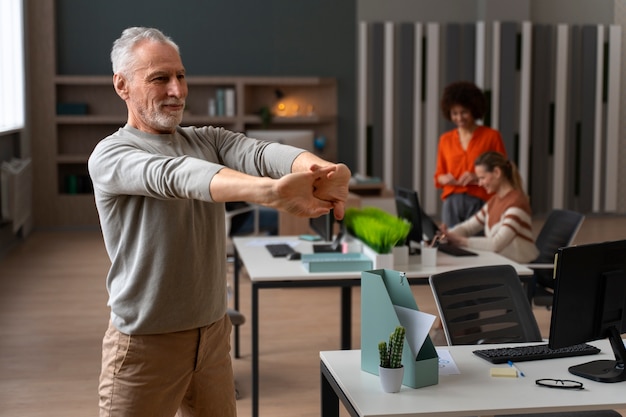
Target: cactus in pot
391,353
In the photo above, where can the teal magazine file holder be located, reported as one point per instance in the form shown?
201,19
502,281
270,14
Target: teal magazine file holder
381,289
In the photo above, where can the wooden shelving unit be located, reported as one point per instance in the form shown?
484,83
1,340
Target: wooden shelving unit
309,103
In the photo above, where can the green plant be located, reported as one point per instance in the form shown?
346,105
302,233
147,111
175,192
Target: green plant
391,353
266,116
378,229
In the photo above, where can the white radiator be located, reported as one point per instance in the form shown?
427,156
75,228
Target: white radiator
16,192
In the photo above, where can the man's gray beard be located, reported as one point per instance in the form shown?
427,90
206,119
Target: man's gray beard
162,121
168,122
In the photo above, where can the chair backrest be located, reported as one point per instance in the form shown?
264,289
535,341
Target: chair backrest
483,305
235,209
559,230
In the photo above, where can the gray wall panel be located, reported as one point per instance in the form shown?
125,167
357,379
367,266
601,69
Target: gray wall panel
460,53
588,107
508,88
451,60
375,141
468,51
405,113
541,108
573,118
452,53
459,56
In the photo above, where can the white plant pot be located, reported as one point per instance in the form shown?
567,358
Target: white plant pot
391,378
379,260
400,255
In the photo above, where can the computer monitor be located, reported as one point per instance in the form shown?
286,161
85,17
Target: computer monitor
324,226
590,304
408,208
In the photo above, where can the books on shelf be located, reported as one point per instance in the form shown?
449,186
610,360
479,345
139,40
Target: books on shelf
224,102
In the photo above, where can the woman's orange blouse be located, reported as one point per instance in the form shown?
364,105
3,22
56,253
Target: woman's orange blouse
453,159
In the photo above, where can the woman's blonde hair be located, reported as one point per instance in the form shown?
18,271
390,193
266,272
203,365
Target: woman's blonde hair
492,159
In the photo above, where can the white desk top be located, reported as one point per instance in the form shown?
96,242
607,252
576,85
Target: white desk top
474,392
261,266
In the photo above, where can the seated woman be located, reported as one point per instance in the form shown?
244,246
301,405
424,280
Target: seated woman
505,218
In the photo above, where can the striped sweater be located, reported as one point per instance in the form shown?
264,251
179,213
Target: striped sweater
507,224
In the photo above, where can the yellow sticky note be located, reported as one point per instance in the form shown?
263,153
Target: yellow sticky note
504,372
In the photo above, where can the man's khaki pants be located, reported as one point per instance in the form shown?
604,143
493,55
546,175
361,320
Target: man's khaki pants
188,372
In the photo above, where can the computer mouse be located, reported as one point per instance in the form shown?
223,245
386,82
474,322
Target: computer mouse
294,256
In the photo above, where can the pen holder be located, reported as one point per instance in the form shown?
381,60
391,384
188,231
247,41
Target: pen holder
428,255
400,255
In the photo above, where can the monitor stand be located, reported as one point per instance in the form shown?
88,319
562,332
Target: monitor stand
331,247
325,248
605,370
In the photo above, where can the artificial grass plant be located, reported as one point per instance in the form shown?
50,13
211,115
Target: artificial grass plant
376,228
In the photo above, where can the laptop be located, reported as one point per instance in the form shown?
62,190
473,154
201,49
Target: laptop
430,229
424,227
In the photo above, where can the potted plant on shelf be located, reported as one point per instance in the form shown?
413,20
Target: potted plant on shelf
266,116
390,368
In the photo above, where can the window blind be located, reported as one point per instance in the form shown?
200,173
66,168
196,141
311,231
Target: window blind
11,66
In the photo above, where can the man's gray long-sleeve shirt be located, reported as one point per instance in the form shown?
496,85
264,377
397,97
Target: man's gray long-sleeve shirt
162,231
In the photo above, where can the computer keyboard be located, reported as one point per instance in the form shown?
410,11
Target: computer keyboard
533,353
455,250
279,250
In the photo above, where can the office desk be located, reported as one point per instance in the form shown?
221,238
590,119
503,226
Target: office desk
471,393
268,272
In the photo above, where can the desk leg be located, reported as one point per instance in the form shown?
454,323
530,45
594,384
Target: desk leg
255,350
236,270
331,393
329,400
346,318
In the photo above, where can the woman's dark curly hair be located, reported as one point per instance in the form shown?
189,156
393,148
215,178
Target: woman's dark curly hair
466,94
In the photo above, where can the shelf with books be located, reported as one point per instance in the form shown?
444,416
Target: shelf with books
88,109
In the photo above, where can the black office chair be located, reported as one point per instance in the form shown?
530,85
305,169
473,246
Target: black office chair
559,230
484,305
488,304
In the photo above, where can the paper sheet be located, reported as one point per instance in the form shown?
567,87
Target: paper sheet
417,325
447,366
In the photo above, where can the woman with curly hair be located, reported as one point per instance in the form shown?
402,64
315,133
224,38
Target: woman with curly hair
463,103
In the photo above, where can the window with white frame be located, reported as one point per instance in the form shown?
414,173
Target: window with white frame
11,66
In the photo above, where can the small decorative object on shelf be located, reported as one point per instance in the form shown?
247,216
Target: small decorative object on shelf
390,368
